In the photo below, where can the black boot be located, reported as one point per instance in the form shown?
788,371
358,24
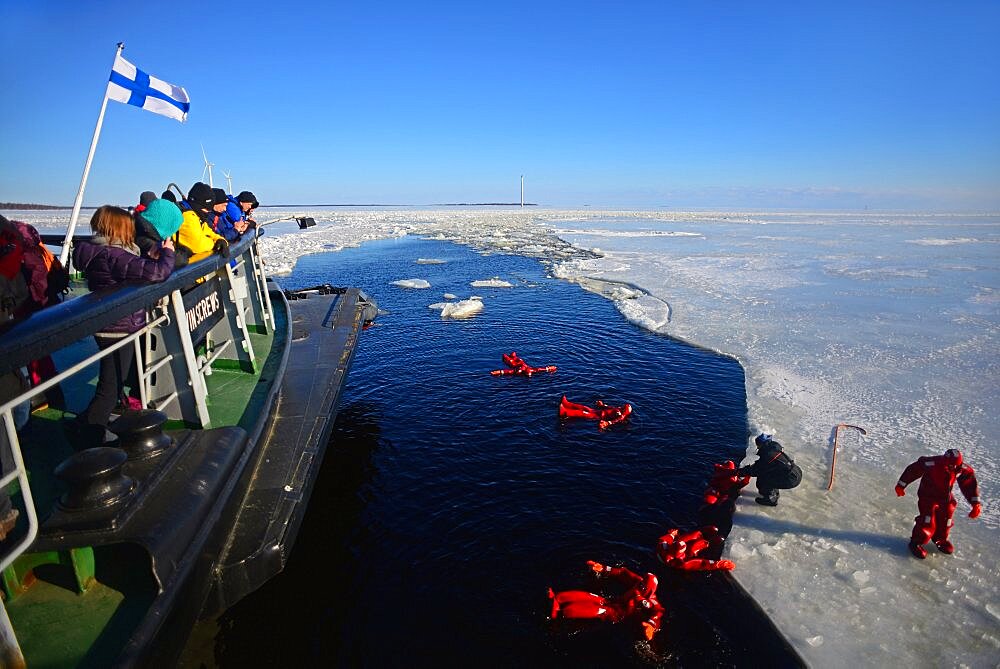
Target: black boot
770,498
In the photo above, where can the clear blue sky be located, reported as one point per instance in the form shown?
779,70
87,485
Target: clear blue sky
681,104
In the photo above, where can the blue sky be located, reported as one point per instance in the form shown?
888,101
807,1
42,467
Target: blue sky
842,105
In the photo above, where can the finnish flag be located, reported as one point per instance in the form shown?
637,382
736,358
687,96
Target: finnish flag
132,86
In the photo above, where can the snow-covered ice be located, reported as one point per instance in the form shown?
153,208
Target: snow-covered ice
885,321
461,309
412,283
495,282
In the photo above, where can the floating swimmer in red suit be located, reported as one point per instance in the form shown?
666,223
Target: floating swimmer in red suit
605,414
725,484
518,367
935,501
680,550
637,603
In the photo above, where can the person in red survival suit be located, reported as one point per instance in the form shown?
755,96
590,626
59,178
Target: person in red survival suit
725,484
638,602
935,501
679,550
605,414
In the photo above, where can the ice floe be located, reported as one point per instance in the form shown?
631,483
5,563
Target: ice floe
412,283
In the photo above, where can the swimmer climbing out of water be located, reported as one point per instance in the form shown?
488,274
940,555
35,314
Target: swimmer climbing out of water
638,602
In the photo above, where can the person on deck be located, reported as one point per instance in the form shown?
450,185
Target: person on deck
111,259
935,501
196,231
638,602
159,221
229,222
145,198
774,470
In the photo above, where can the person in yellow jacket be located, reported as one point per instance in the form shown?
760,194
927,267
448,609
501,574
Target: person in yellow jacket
196,233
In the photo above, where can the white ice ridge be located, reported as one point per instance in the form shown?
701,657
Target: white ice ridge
835,318
412,283
429,261
495,282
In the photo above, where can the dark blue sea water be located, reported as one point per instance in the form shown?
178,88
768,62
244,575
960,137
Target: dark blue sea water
450,500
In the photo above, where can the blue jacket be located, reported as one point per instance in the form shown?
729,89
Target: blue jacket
226,224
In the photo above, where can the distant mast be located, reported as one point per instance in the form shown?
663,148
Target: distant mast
522,190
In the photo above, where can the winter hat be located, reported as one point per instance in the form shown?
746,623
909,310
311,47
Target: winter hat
201,196
220,196
762,439
169,195
164,216
147,197
247,196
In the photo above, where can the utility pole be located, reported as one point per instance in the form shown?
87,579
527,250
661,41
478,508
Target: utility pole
522,190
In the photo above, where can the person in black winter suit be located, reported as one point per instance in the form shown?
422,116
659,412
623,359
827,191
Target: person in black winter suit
774,470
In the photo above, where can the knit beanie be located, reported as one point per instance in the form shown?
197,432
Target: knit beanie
201,196
164,216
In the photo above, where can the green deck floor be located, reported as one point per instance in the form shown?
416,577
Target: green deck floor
235,396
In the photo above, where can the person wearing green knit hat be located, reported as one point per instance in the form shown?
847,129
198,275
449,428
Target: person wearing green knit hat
159,221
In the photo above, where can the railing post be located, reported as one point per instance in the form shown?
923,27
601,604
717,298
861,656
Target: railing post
199,390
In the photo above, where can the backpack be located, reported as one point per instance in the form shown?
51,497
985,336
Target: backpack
13,288
57,277
47,279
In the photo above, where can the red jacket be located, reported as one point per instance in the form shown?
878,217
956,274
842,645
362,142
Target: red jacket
937,477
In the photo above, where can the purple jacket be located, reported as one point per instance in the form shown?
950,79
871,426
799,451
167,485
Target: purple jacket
110,266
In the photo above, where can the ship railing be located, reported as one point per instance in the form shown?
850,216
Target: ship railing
171,371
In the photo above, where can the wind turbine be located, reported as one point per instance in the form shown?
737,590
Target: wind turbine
208,167
229,180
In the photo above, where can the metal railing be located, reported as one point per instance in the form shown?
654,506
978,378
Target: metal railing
64,324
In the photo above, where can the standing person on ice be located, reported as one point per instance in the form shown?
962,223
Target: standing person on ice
774,470
935,501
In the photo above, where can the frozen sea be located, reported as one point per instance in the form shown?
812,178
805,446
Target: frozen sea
885,321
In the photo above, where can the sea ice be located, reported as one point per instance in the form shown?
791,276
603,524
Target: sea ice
491,283
461,309
412,283
890,322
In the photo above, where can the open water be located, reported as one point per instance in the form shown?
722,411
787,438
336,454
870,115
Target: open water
450,499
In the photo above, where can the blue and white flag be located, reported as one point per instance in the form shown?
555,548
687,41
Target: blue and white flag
132,86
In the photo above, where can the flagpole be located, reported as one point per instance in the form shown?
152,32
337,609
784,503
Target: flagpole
68,241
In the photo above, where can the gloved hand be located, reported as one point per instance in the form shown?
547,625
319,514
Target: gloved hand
649,630
977,508
728,565
221,247
900,490
596,566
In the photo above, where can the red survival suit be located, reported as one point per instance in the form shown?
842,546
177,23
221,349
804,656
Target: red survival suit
680,550
638,602
935,501
605,414
725,484
519,367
